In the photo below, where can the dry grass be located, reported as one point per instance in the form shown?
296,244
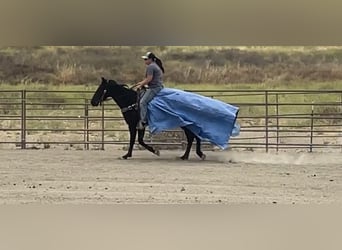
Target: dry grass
184,64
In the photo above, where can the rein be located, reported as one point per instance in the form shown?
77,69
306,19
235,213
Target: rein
128,108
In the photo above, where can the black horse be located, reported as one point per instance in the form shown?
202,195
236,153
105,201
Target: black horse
126,99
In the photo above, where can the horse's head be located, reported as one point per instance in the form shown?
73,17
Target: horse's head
121,94
101,93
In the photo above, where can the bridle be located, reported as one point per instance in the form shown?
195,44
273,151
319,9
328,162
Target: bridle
102,96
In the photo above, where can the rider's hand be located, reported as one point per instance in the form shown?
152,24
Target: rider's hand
135,86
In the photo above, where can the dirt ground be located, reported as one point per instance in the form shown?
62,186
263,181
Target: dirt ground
230,177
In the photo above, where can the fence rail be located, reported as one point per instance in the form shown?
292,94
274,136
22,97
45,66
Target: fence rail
269,119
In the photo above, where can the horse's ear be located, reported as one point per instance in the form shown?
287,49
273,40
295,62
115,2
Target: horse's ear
103,79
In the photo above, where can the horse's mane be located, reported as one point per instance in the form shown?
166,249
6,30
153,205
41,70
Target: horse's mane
123,86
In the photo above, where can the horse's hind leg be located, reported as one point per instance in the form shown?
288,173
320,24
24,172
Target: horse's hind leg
198,149
190,139
141,134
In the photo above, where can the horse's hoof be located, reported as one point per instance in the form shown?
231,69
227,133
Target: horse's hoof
157,152
203,157
125,157
183,158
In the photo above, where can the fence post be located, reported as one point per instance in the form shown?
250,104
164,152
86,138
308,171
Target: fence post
266,120
277,114
86,125
312,126
23,119
103,126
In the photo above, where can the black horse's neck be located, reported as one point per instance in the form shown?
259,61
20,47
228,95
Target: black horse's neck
122,95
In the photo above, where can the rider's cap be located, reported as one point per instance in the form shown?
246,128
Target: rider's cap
148,55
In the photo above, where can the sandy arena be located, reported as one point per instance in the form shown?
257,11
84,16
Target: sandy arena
227,177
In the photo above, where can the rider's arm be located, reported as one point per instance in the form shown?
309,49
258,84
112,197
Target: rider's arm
145,81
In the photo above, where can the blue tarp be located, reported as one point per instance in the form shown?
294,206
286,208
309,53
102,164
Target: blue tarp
211,120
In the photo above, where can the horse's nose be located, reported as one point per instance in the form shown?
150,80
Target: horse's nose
94,103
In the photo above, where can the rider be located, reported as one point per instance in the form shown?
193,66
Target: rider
153,83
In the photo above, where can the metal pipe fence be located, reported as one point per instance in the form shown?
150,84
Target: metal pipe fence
309,120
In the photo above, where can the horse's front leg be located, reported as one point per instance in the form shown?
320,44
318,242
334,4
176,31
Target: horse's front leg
141,133
132,134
